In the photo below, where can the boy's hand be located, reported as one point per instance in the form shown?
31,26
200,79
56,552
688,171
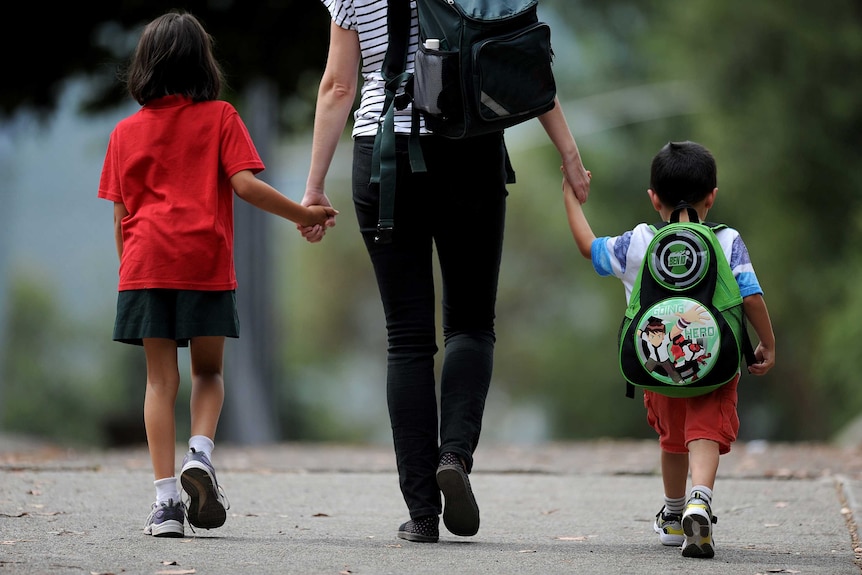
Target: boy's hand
765,360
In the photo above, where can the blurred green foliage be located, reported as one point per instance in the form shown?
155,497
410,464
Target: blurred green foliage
59,376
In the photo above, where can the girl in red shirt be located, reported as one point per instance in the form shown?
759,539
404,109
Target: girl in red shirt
172,169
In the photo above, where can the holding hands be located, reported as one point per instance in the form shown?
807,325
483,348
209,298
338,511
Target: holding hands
315,232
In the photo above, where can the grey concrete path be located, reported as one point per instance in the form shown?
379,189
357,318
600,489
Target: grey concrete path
333,509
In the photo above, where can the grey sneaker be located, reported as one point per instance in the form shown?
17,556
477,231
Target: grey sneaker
697,520
208,505
669,528
166,520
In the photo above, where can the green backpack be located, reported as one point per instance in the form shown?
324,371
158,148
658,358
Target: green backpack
684,332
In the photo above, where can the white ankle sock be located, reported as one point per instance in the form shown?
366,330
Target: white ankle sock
166,489
202,444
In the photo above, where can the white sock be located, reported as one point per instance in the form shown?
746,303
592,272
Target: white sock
674,506
705,491
166,489
202,444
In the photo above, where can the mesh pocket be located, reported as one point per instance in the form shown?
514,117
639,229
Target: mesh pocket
437,90
513,75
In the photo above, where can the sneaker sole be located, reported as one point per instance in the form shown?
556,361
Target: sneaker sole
460,512
169,528
698,537
417,537
204,510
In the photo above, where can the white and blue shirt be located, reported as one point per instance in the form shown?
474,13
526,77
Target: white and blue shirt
622,256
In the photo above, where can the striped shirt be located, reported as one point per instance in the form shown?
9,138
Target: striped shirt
368,19
621,257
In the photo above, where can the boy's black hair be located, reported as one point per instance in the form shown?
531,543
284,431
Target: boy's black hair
174,56
683,172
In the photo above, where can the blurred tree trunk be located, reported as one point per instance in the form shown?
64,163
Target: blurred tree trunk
250,414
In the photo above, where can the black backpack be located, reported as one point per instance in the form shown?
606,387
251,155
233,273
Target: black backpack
482,66
684,331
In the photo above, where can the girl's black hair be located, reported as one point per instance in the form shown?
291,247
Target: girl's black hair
683,172
174,56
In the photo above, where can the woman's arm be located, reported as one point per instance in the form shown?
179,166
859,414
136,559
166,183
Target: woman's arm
335,98
555,125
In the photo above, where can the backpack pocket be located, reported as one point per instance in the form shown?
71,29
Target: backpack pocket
659,355
512,76
437,86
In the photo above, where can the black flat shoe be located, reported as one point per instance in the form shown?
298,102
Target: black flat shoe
422,530
460,512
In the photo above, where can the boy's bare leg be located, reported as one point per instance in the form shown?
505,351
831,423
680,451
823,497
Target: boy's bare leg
703,458
674,474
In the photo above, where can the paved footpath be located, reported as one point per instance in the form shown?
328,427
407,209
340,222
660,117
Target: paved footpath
583,507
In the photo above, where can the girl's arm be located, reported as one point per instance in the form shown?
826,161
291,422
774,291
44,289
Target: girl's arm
261,195
120,212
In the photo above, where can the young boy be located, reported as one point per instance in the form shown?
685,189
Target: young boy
693,432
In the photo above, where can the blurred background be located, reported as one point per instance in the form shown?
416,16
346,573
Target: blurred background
771,87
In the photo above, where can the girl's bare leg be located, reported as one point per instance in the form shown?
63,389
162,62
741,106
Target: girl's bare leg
207,397
163,382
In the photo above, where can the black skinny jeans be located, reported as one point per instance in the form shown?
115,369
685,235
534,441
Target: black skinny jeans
459,207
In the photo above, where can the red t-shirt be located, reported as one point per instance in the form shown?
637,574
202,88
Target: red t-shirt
170,164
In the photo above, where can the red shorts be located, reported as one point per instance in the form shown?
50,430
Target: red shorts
679,420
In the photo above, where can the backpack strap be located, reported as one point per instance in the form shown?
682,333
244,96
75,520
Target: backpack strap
683,205
747,348
383,162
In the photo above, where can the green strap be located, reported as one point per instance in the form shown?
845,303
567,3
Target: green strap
383,162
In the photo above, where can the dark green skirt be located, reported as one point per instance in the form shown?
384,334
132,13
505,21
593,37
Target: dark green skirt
175,314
